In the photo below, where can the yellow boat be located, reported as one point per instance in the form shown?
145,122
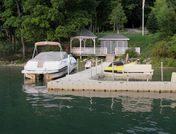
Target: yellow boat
118,67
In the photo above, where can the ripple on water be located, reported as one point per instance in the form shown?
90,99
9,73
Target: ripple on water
32,89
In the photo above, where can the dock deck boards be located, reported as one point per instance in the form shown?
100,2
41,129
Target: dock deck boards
82,81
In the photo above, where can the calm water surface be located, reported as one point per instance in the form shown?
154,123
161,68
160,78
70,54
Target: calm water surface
27,109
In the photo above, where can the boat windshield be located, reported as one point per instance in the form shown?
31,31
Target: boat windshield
50,56
117,63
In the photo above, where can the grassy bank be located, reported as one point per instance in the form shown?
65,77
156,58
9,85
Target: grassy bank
137,40
147,44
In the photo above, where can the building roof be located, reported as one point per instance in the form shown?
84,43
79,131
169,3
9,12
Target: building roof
114,37
85,34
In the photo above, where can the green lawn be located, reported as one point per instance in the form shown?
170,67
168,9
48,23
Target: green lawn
137,40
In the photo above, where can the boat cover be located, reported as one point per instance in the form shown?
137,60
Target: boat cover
50,56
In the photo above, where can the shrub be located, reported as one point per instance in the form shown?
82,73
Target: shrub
165,48
172,47
160,49
167,62
132,53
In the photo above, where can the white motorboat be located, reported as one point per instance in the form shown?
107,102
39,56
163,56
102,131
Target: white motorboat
49,65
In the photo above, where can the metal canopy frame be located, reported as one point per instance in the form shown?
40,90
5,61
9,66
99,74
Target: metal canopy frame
45,43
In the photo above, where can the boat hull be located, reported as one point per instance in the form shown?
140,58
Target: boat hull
45,75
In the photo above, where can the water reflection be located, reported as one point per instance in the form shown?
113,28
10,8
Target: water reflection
39,97
35,111
131,104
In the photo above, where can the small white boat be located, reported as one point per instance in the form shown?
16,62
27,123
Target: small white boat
49,65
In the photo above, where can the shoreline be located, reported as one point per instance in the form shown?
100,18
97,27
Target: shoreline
12,65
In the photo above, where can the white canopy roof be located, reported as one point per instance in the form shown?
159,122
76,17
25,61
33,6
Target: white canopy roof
44,43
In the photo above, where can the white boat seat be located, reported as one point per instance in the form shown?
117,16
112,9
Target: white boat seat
141,71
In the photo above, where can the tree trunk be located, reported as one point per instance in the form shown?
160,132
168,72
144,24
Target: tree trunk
22,39
13,42
23,47
114,27
117,28
7,34
98,29
18,8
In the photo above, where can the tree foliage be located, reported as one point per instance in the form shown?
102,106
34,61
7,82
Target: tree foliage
117,16
152,24
28,21
165,15
165,48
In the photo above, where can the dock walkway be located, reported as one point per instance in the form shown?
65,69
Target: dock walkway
82,81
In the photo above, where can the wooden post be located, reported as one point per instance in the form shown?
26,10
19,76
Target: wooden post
96,64
68,65
84,43
80,42
71,45
113,70
77,65
101,66
91,70
161,71
94,46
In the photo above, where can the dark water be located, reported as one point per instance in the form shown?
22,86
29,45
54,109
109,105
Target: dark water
29,112
167,72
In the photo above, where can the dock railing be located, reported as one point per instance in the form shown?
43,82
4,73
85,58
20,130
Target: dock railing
100,51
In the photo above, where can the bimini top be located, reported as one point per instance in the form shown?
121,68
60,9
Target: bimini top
44,43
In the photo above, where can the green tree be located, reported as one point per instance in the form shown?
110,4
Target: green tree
133,9
152,24
117,16
10,17
166,16
172,48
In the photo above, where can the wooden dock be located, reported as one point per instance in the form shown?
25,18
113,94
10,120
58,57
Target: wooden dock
83,81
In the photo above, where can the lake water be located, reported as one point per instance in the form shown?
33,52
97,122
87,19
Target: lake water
29,109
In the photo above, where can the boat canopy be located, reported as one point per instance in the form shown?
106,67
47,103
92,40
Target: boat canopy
45,43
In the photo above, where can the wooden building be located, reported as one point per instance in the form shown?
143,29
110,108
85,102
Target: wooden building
116,44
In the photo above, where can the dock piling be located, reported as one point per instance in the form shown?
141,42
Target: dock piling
161,71
77,67
68,62
113,70
96,64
